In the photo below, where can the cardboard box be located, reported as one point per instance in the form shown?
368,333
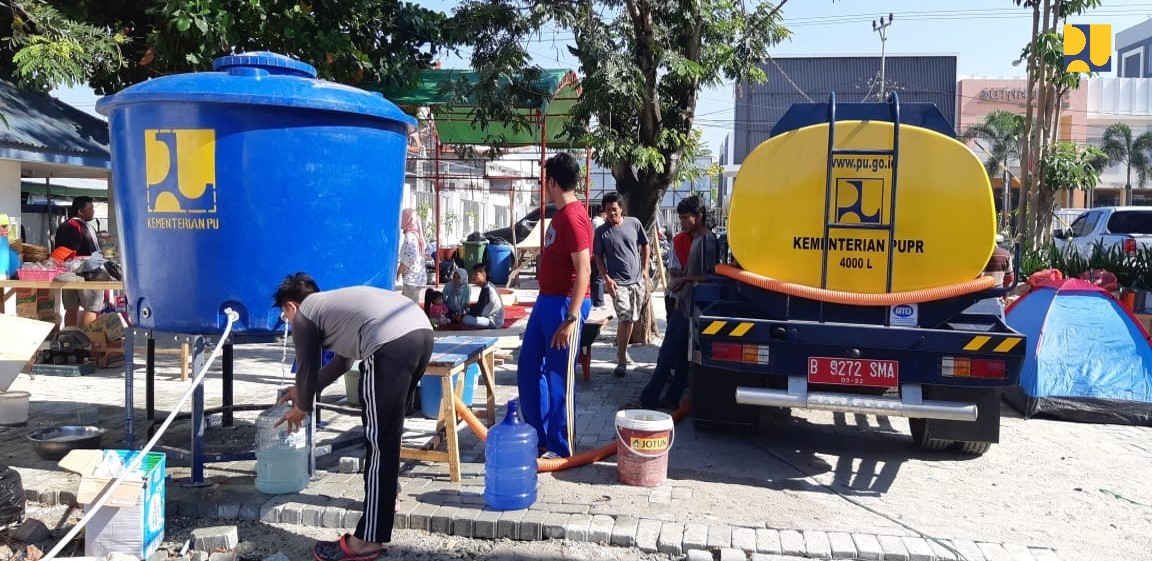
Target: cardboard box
46,306
132,520
26,303
113,325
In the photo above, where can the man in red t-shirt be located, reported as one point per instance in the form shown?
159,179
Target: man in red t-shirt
544,371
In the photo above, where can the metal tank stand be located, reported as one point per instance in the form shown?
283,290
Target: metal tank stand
196,456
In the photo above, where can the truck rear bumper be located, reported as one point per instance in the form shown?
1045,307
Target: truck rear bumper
909,405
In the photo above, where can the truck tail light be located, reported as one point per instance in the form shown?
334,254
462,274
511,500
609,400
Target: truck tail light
1129,245
964,367
738,352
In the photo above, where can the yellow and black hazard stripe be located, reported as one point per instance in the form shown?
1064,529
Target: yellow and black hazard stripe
729,328
992,343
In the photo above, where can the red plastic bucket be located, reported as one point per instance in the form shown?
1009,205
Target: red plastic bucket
644,439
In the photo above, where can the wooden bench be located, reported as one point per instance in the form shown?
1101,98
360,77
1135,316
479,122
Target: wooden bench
452,356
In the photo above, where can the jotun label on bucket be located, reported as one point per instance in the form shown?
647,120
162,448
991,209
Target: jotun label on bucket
645,444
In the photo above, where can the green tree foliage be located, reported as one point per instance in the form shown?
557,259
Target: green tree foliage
642,65
1048,84
999,134
350,41
1065,166
1121,147
42,48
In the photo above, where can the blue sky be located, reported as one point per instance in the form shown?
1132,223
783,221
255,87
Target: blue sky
986,35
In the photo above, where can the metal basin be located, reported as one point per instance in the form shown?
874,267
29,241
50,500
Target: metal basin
53,443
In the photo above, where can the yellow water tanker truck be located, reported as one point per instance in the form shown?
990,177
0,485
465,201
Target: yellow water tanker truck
858,234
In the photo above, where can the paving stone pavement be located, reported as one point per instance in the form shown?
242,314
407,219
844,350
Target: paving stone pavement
651,519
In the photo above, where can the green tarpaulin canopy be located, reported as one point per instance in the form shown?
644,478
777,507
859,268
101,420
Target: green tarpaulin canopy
454,126
38,188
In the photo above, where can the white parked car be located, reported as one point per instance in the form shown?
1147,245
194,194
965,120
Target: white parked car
1126,227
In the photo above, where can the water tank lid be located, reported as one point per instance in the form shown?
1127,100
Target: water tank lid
271,62
258,78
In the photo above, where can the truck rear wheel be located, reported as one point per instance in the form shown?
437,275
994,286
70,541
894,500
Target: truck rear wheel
923,438
975,448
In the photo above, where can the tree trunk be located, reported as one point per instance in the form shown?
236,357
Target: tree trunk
1028,140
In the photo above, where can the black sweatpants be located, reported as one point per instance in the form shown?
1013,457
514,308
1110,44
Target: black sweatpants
387,380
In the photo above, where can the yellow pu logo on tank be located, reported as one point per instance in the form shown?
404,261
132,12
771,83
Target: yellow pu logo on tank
181,170
1088,48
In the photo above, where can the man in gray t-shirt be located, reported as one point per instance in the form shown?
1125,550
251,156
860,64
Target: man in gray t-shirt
621,250
392,338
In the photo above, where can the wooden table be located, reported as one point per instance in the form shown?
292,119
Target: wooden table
451,356
8,287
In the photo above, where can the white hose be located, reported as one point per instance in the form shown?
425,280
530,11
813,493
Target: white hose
139,457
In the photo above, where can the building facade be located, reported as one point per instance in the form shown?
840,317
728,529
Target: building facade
920,78
1111,101
1133,50
977,97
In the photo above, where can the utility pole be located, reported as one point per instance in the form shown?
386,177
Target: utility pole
881,27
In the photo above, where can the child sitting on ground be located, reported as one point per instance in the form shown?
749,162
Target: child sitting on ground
488,311
436,309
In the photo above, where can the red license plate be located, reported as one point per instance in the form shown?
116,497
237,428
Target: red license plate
853,372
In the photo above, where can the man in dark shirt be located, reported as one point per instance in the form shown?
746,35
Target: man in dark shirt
621,252
77,234
392,338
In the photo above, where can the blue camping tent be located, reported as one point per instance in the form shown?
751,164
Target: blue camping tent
1088,358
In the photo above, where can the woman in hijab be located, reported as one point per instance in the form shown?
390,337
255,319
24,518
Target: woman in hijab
457,293
412,247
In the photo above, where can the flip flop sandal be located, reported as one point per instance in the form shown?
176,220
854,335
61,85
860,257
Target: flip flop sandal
339,551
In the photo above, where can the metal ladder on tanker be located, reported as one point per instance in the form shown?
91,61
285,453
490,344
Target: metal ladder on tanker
829,193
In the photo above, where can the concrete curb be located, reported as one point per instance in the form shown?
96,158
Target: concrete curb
464,515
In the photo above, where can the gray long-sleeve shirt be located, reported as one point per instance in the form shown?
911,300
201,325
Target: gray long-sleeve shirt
352,323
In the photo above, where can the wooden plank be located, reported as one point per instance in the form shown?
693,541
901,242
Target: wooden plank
53,285
409,453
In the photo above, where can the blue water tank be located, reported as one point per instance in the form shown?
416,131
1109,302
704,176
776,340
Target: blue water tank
226,181
510,463
499,263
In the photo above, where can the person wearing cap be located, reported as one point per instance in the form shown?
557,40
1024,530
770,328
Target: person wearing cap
78,234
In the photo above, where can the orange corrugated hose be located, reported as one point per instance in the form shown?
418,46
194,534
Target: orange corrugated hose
852,298
559,464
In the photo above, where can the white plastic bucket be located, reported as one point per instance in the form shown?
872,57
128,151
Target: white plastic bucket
644,439
14,408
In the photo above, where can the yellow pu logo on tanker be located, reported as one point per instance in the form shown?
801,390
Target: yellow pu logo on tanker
1088,48
181,178
649,444
859,201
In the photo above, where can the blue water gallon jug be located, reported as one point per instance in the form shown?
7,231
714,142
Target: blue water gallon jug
281,456
510,463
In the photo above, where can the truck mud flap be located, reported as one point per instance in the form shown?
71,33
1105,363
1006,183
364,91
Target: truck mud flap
986,428
713,398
